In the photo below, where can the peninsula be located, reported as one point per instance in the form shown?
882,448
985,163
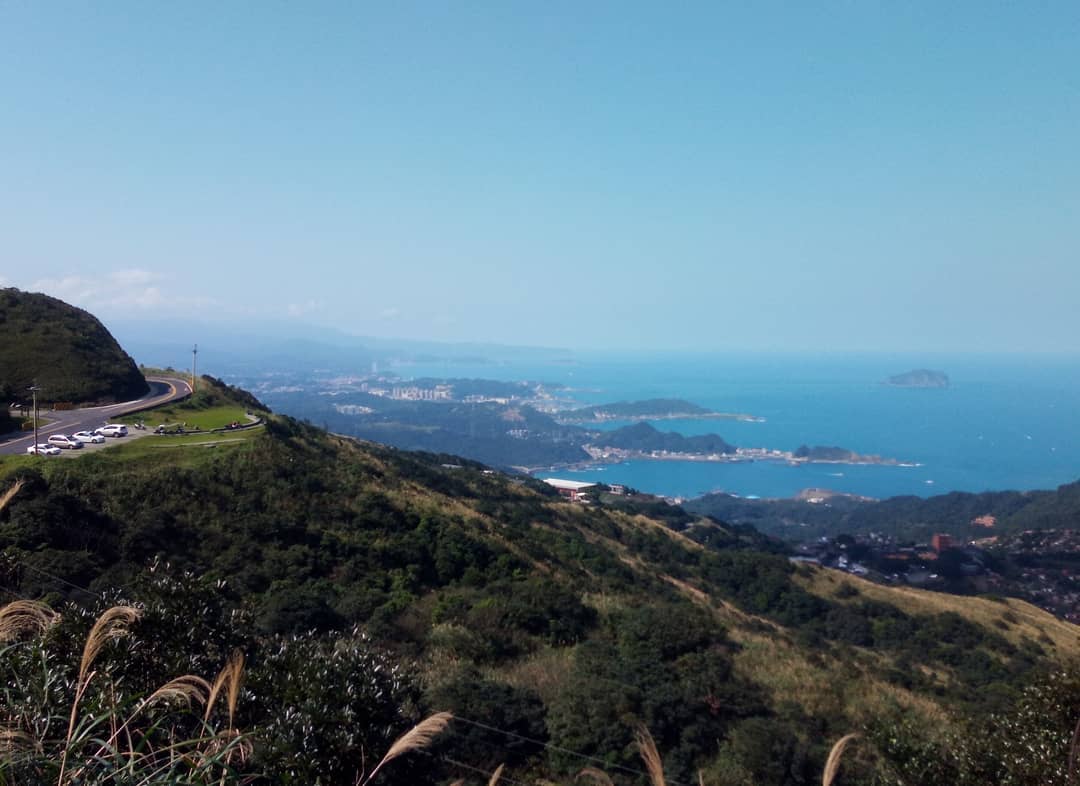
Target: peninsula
644,438
642,441
649,409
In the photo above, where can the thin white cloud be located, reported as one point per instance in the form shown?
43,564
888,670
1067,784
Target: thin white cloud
133,277
390,313
301,309
128,289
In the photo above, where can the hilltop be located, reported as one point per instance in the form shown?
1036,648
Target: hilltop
64,350
495,599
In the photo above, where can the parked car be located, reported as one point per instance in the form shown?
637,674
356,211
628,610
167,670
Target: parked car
65,442
43,450
112,430
86,436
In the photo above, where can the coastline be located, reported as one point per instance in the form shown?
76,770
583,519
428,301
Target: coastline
601,457
741,417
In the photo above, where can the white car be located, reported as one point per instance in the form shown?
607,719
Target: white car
65,442
112,430
43,450
86,436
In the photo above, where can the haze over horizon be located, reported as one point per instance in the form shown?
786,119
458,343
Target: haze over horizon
850,177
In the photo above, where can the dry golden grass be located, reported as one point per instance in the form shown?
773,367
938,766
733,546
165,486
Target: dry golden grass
1031,621
825,688
228,680
608,603
544,671
832,764
22,617
418,737
188,690
9,495
646,747
15,741
599,777
113,624
652,525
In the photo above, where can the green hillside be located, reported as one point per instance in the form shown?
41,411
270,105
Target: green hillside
962,514
66,351
549,629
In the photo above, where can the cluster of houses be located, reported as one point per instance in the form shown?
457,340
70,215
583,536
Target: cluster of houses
881,557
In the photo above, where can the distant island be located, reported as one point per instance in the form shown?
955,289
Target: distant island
919,378
829,454
649,409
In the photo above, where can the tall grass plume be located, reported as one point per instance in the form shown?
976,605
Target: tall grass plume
21,617
418,737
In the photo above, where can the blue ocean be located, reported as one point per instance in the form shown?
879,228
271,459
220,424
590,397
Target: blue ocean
1005,422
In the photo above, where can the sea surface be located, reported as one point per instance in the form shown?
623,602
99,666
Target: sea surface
1005,422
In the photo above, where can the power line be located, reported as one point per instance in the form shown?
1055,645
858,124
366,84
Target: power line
57,578
13,593
560,749
477,770
477,724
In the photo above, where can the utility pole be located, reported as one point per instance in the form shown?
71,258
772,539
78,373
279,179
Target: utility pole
34,389
194,356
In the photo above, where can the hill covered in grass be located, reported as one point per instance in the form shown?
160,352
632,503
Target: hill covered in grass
64,350
965,515
549,629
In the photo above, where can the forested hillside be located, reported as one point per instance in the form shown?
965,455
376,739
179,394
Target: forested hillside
63,350
964,515
549,629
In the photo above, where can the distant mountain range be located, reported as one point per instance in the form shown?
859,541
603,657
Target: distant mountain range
249,347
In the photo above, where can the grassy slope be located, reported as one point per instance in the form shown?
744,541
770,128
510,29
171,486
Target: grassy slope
1015,619
64,350
332,500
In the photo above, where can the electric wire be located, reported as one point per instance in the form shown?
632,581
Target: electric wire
560,749
470,767
41,572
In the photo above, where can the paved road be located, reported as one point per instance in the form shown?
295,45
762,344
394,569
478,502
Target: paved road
163,390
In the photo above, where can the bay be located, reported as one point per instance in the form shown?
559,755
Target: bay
1005,422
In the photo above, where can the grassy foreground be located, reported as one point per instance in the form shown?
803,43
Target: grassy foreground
369,587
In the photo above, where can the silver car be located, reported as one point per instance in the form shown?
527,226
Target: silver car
112,430
64,441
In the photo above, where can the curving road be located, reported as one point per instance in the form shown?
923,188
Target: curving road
163,390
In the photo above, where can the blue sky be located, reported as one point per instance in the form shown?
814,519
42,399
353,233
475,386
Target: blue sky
752,176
